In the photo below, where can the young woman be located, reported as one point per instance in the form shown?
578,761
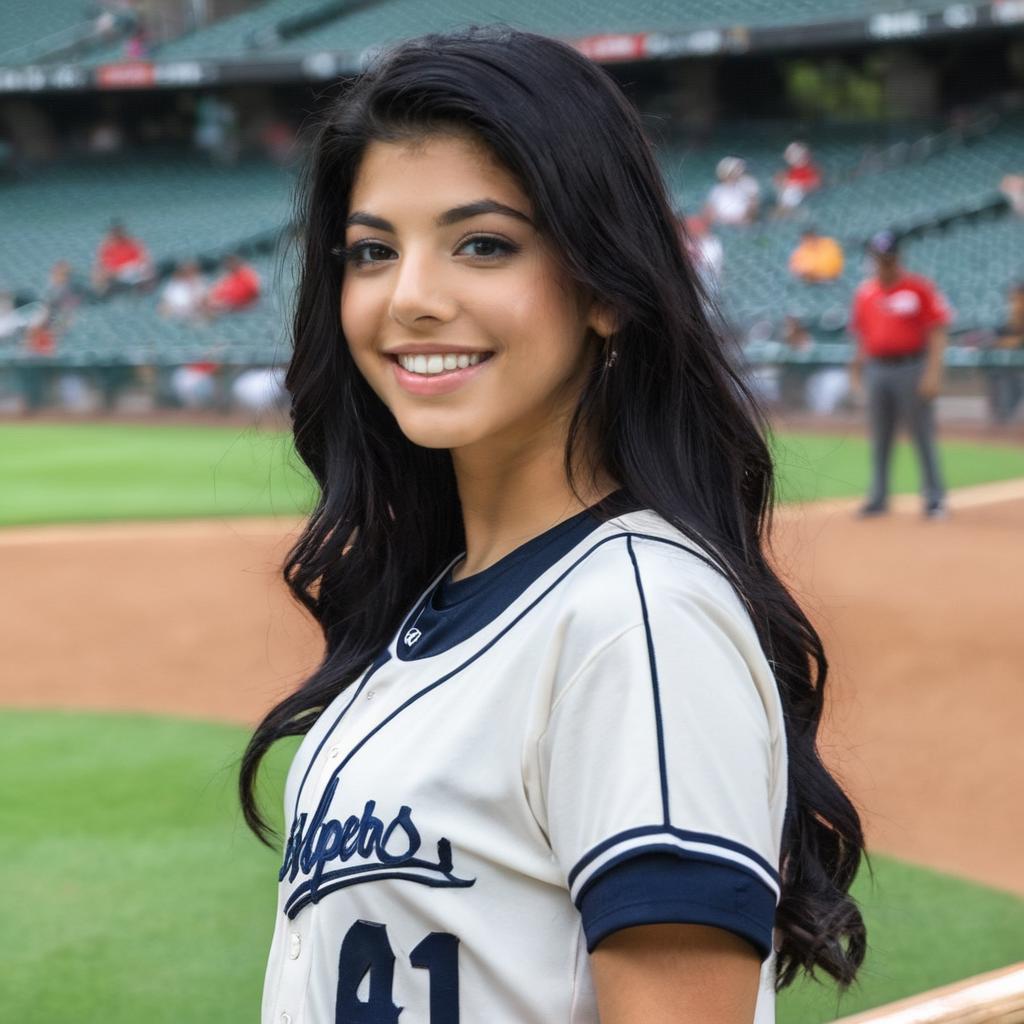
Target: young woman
559,760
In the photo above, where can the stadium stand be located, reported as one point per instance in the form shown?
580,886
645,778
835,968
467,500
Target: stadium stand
279,24
178,206
29,30
183,207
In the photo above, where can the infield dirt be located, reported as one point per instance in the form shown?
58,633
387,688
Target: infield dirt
921,622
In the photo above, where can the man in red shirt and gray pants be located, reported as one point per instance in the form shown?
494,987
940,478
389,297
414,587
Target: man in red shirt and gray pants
900,321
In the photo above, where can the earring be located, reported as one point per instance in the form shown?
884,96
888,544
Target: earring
612,358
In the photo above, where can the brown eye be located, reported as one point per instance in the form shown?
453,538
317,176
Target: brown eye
489,247
364,253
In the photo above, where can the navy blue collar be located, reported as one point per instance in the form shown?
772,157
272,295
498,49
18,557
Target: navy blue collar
456,609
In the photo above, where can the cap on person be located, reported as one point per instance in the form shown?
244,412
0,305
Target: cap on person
884,243
729,167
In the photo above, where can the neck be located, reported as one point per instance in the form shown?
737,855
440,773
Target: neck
511,494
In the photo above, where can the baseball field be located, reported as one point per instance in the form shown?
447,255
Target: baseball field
146,628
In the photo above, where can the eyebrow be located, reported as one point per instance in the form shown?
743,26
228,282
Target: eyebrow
446,219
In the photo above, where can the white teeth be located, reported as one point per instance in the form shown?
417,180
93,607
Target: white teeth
438,362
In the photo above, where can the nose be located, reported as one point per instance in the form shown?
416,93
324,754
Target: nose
420,296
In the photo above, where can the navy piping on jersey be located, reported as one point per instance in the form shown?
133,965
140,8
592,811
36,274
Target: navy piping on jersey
382,659
654,684
615,865
483,650
666,888
679,833
454,610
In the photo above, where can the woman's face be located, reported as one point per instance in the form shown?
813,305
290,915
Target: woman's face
454,308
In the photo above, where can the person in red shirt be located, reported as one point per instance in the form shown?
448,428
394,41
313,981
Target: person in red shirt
237,288
120,259
899,320
801,176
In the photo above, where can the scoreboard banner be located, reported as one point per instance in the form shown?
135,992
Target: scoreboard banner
919,22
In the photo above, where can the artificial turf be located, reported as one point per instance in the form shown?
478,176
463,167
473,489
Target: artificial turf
86,472
135,893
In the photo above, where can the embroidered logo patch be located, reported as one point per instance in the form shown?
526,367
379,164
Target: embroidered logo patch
412,636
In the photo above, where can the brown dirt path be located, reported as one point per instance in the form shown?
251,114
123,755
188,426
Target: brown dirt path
922,622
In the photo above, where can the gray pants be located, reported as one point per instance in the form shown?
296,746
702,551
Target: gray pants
892,396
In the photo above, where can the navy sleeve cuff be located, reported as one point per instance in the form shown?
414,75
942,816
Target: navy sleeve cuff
664,888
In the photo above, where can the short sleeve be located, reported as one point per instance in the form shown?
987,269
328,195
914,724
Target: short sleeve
657,770
936,310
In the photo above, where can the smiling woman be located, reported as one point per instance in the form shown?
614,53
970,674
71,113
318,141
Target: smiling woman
443,279
559,761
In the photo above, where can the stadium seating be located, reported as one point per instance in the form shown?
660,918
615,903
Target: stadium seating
373,24
178,207
184,207
29,29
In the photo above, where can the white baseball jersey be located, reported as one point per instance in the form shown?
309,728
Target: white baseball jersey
583,737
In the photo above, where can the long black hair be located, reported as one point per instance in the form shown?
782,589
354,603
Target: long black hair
672,423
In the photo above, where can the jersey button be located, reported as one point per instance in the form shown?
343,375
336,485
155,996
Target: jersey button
286,1018
295,946
333,753
370,694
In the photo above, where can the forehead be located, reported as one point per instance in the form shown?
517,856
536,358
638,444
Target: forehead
433,173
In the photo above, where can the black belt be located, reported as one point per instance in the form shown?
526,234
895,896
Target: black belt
905,358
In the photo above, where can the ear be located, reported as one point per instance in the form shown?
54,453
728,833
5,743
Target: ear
602,319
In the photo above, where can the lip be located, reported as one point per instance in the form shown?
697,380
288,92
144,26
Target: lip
426,348
438,383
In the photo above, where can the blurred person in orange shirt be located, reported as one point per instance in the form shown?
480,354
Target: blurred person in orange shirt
817,258
237,288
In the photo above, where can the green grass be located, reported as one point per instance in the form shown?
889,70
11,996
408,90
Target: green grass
53,473
814,467
134,892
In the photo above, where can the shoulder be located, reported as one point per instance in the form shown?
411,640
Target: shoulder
865,289
638,570
919,283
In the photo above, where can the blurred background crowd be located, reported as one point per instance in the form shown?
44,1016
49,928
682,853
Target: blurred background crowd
148,153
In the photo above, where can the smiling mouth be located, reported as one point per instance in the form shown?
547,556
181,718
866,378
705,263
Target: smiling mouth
435,363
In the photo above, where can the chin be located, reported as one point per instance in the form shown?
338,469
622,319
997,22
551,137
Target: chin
420,431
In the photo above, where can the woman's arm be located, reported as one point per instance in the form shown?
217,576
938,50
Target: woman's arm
667,973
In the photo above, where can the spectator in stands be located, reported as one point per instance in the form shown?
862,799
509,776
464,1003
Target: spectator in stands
800,177
737,196
63,292
817,258
184,295
41,336
821,389
1006,383
195,385
899,320
1012,186
237,288
120,260
11,320
706,252
105,137
216,129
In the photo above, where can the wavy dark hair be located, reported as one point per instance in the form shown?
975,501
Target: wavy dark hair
673,423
